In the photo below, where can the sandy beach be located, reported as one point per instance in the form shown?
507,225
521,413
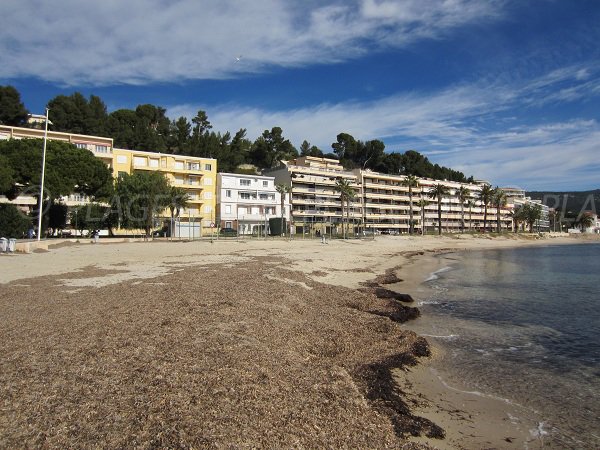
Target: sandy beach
244,343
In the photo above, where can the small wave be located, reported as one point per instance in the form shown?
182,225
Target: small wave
449,337
434,275
538,432
428,302
477,393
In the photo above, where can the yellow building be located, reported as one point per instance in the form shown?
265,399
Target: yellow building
196,175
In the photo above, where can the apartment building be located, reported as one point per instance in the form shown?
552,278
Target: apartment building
315,201
196,175
245,203
382,203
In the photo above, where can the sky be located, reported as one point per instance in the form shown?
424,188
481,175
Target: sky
504,90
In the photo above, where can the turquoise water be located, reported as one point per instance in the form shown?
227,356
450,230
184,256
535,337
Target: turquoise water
524,324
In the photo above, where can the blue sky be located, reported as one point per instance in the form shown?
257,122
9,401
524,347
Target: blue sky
505,90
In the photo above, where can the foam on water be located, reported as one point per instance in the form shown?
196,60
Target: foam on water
435,275
535,314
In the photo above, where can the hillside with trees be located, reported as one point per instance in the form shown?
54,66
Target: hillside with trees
148,128
576,202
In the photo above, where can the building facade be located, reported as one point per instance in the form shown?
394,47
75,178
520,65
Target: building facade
315,202
198,176
382,202
245,203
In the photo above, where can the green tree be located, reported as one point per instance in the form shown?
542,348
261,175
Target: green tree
485,196
283,190
347,194
422,203
13,223
463,195
91,217
12,110
310,150
439,191
57,217
411,182
181,131
270,148
178,200
500,199
142,196
6,175
585,220
121,126
69,170
75,114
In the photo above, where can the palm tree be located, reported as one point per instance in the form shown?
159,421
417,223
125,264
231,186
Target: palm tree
500,200
410,181
422,203
470,204
586,220
178,200
517,215
347,194
439,191
485,196
463,195
531,214
283,190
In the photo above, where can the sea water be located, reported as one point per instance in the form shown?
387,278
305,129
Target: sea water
524,325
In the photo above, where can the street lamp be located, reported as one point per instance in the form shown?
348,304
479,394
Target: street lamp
39,235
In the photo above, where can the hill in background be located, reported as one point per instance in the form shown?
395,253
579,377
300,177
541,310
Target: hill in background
573,203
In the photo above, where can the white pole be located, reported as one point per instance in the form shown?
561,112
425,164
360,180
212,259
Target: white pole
39,235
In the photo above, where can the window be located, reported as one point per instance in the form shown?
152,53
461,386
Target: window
79,145
139,161
178,179
122,159
208,209
178,164
228,209
241,210
153,162
265,183
208,182
102,148
264,196
228,193
208,195
208,167
193,166
244,195
228,225
244,182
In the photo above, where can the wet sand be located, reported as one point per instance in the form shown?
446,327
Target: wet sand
76,317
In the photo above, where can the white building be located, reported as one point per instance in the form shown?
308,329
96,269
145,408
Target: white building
247,202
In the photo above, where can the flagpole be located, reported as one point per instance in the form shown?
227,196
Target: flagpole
39,232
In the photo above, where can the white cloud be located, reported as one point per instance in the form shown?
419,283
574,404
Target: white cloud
139,41
462,127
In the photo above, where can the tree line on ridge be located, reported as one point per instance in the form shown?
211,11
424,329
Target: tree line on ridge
148,128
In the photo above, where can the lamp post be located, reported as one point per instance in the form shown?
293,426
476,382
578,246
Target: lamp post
39,234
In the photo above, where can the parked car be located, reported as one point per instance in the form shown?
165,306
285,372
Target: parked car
228,232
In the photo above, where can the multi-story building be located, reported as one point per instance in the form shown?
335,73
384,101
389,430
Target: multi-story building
315,203
196,175
382,202
245,203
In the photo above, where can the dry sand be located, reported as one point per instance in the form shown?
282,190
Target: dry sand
231,343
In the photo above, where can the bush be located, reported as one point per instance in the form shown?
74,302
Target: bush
13,222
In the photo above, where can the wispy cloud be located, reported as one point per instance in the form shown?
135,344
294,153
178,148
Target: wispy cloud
464,127
140,41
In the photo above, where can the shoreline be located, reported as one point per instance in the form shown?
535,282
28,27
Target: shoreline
471,419
348,264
